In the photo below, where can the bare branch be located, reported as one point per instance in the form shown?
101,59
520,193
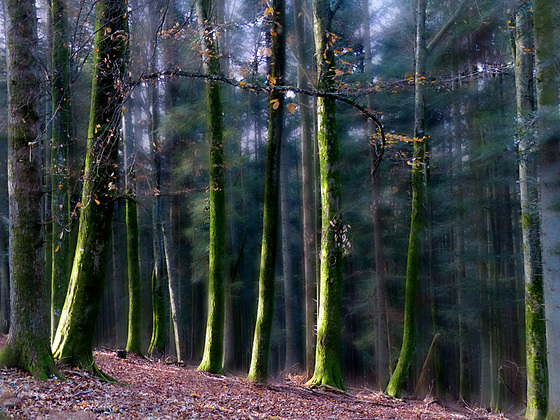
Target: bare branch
368,113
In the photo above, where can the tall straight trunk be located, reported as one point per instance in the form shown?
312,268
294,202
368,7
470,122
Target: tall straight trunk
483,276
462,303
265,310
528,172
213,345
159,288
416,223
73,341
329,323
422,50
134,336
307,176
117,273
4,247
290,296
60,194
548,136
382,330
28,344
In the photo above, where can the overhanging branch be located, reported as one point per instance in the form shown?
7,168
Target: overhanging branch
368,113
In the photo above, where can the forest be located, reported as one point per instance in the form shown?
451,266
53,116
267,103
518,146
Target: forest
356,191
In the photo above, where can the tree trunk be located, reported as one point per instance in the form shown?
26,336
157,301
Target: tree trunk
173,281
265,310
134,336
73,341
158,342
60,196
382,333
528,172
307,172
213,347
4,247
548,138
28,344
416,223
333,236
290,295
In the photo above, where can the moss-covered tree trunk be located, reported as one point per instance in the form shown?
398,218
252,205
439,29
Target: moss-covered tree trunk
422,50
60,194
134,337
329,323
396,382
548,137
213,345
28,345
73,341
528,171
265,308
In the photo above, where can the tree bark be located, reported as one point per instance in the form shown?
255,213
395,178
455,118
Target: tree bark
548,137
333,236
60,194
158,342
265,310
528,173
213,348
290,296
307,191
173,282
73,341
395,385
134,336
382,331
28,344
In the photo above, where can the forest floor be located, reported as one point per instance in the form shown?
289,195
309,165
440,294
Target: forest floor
152,389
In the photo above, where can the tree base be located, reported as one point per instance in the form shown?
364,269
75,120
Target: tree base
30,358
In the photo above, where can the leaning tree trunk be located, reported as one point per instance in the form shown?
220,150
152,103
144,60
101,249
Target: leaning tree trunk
60,191
549,143
213,345
28,345
333,237
265,310
528,171
73,341
173,286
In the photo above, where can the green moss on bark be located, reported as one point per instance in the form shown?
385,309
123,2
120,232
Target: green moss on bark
28,344
213,346
261,342
60,196
327,352
73,341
